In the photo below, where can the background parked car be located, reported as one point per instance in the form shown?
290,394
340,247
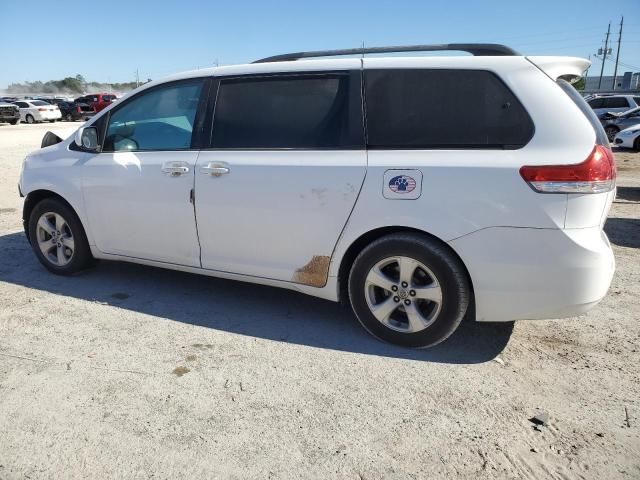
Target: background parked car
9,113
629,137
72,111
615,123
602,104
97,100
53,100
32,111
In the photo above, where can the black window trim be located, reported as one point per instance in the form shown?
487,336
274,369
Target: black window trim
198,123
457,146
351,72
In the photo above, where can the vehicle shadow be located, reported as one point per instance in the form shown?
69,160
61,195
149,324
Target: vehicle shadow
237,307
624,232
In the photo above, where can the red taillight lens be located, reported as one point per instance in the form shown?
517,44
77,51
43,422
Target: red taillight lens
597,174
42,109
78,110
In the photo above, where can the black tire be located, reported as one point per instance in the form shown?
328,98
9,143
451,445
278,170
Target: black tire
81,258
611,132
52,121
449,273
69,117
636,144
30,120
14,122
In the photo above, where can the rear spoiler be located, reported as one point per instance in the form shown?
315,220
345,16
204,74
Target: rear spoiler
569,68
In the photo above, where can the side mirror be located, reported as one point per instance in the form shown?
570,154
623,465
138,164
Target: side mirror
87,138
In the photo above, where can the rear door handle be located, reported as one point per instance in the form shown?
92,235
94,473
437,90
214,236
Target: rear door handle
215,169
175,169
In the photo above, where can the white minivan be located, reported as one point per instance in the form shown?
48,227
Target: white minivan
417,189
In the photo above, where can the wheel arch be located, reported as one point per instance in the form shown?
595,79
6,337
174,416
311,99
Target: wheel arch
366,238
36,196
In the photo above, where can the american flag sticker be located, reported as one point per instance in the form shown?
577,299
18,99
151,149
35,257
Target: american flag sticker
402,184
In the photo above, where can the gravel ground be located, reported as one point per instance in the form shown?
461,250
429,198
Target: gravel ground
134,372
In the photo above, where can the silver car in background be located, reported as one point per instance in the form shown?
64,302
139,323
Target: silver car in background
615,123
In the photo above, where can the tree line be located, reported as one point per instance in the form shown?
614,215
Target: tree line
69,85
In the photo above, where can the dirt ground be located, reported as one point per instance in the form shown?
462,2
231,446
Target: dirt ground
134,372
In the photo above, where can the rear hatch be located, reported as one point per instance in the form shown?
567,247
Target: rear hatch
589,185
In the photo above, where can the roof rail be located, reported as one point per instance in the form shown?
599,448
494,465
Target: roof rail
478,49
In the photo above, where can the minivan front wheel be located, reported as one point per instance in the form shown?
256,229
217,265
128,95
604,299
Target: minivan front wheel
57,238
409,290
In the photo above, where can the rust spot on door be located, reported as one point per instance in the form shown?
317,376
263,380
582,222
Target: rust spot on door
314,273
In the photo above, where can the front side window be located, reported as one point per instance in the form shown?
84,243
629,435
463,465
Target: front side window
294,111
442,108
160,119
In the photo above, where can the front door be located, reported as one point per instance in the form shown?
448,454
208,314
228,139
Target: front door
138,191
284,170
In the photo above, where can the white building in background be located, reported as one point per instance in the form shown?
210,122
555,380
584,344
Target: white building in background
626,81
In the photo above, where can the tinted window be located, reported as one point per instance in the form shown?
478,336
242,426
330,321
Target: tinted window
443,108
637,100
39,103
22,104
108,98
160,119
596,103
615,102
302,111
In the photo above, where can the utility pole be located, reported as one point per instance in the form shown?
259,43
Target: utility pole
615,71
137,78
604,55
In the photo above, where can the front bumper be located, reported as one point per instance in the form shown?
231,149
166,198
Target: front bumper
527,273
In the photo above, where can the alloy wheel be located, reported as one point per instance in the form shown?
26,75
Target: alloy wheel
403,294
55,239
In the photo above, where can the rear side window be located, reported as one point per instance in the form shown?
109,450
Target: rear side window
596,103
289,111
615,102
443,109
601,136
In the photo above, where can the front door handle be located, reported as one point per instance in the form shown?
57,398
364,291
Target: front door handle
175,169
215,169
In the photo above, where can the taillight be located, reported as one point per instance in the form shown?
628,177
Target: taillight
597,174
42,109
78,110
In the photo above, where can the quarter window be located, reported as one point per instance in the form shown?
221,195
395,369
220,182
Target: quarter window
443,108
160,119
301,111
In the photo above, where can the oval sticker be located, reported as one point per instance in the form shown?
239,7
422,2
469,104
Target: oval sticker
402,184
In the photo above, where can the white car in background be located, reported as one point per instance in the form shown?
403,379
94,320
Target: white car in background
331,177
33,111
628,138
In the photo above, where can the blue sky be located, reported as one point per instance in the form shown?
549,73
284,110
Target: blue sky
108,41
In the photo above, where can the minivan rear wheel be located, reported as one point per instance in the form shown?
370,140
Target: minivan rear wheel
57,238
409,290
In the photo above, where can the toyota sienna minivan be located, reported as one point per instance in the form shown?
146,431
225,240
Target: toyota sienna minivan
419,190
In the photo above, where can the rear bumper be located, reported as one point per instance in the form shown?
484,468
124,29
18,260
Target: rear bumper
527,273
